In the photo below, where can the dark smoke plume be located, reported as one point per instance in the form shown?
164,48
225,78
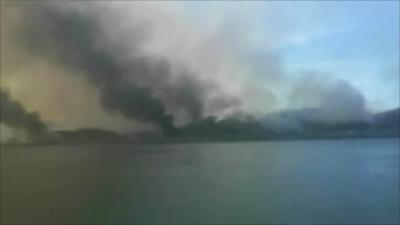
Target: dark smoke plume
13,114
140,90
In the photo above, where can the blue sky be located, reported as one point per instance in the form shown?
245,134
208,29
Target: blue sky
357,41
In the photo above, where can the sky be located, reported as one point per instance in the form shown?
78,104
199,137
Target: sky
125,65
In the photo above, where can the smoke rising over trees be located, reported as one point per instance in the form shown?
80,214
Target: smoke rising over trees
179,82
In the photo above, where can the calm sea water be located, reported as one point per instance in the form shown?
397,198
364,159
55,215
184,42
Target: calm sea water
286,182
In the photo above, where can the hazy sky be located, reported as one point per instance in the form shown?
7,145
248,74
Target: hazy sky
152,62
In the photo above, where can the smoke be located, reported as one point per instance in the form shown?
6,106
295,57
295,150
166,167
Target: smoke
73,39
140,89
333,101
13,114
329,103
343,103
148,64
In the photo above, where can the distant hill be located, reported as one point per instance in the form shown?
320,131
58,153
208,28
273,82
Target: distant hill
303,123
387,119
292,124
387,122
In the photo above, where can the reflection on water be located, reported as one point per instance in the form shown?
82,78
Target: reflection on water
340,181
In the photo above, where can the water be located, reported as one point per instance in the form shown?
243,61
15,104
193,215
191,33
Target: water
286,182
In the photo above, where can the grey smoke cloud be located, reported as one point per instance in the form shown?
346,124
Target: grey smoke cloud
343,103
336,100
333,102
126,89
13,114
152,67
